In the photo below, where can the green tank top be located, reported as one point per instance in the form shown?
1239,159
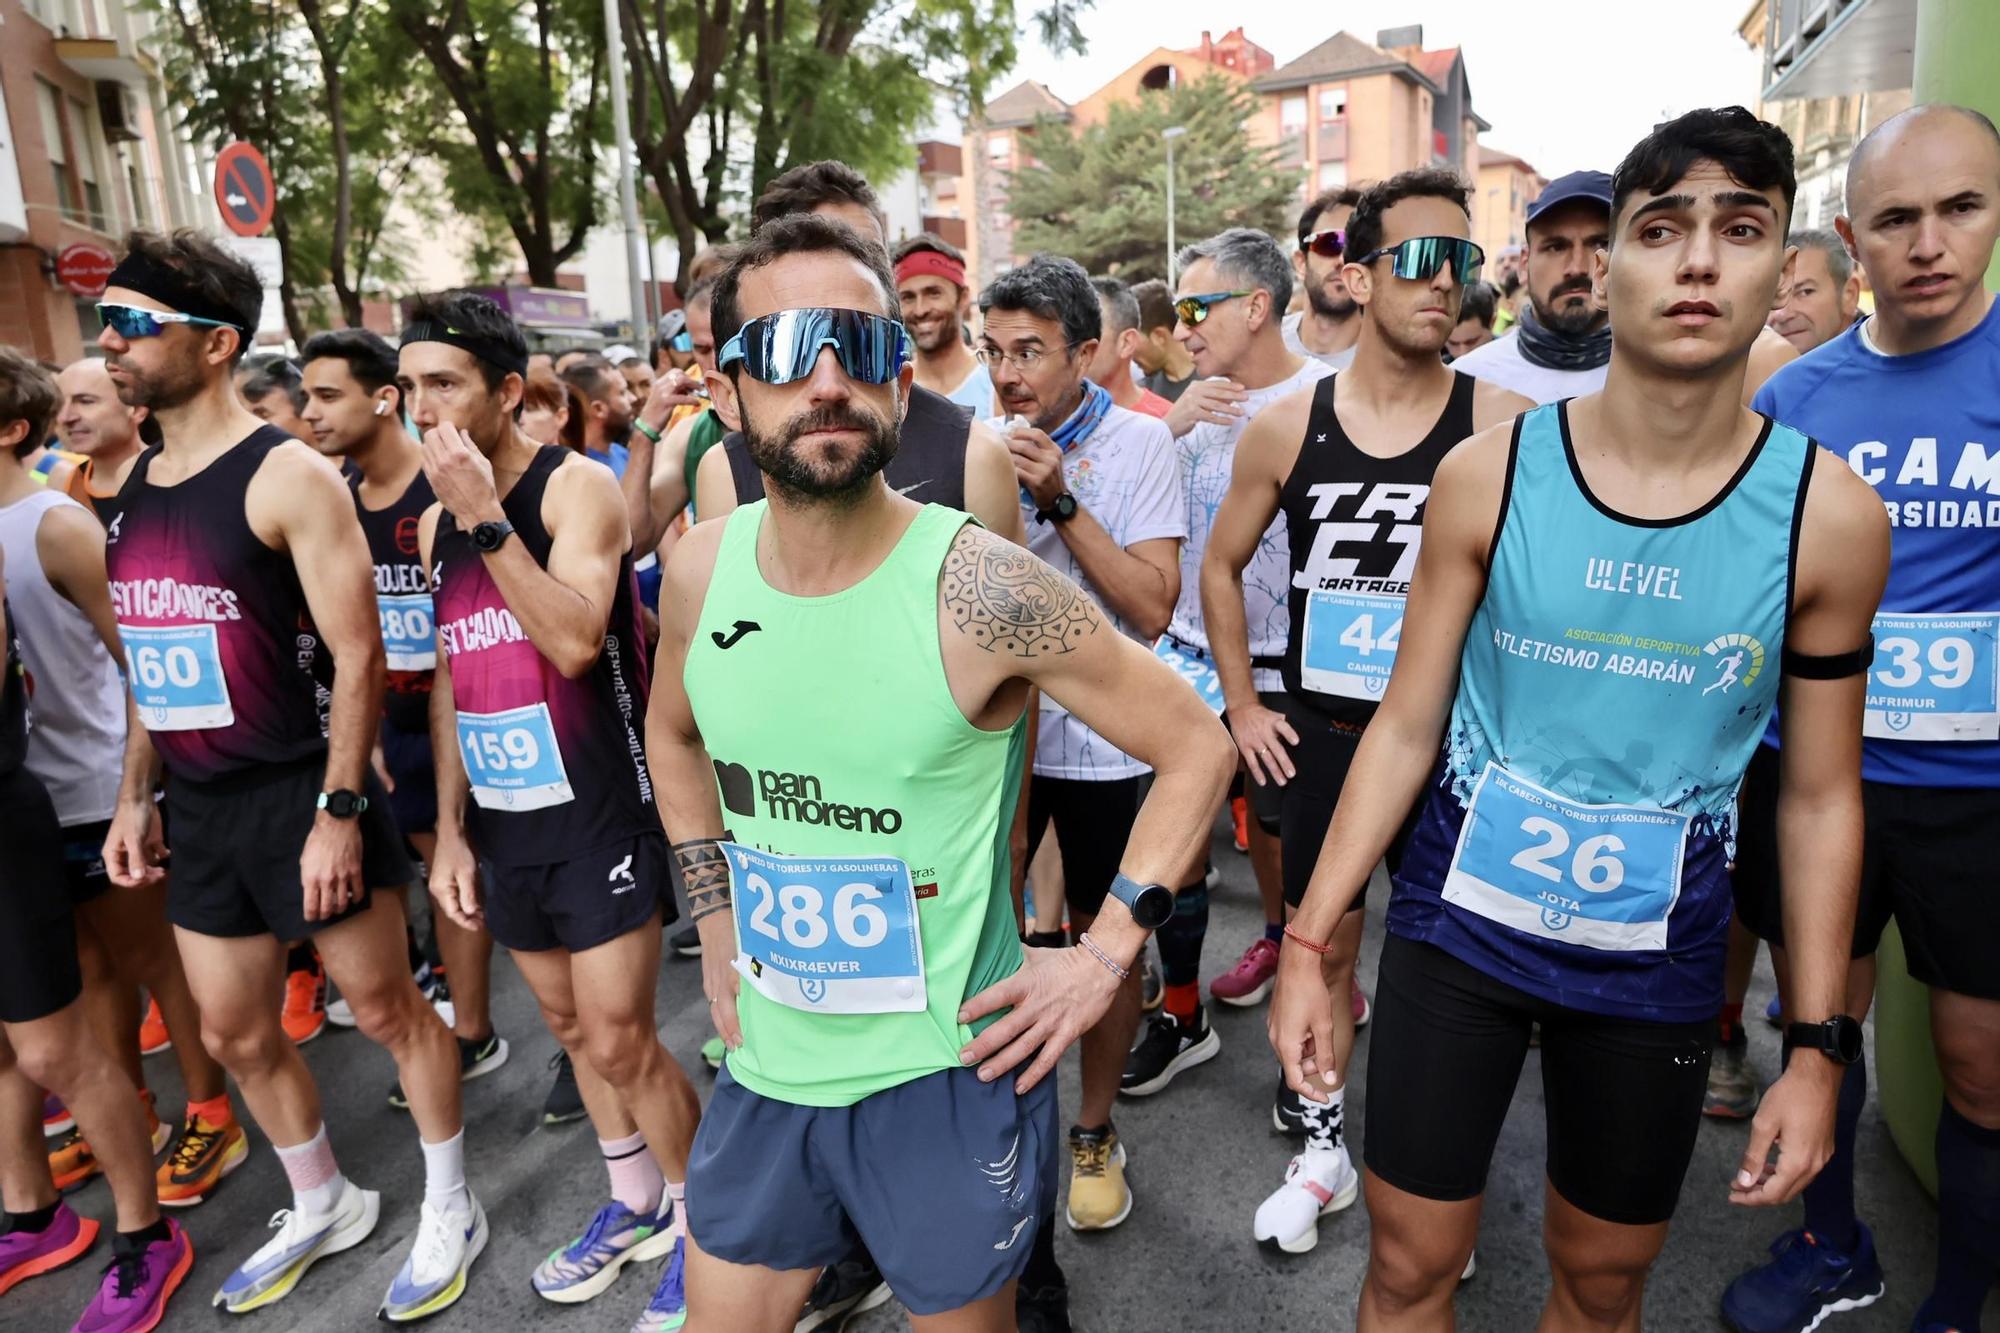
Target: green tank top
834,734
705,434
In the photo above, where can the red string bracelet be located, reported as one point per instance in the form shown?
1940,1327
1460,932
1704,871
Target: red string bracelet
1302,941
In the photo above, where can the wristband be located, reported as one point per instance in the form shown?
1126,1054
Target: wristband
1089,944
1304,943
639,424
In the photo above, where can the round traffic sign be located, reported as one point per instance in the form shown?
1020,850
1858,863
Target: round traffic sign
85,268
244,189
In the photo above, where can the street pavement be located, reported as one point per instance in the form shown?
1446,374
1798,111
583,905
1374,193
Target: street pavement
1202,1157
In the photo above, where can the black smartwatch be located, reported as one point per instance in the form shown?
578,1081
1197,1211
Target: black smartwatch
1150,904
1062,511
1838,1039
342,803
487,537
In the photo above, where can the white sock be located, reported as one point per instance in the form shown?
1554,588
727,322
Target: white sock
316,1181
1324,1120
444,1175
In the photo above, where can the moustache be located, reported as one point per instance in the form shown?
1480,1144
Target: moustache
831,417
1580,286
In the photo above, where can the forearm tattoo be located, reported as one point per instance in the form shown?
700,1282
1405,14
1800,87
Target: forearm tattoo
1011,602
704,875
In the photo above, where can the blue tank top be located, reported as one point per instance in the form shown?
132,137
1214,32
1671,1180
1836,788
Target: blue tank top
1615,680
1924,431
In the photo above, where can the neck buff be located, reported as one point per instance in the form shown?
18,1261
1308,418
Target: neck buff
1078,426
1544,347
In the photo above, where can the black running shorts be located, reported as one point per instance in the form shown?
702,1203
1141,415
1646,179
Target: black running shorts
1322,757
38,968
581,901
1093,822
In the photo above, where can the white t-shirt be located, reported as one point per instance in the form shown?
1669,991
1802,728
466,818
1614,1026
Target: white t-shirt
1500,362
975,392
1208,460
1289,326
1127,475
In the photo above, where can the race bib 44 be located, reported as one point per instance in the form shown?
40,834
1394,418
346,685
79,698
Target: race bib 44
1350,643
827,935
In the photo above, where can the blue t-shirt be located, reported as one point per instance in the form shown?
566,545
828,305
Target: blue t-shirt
1924,431
644,563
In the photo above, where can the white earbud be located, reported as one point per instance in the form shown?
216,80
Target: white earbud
382,408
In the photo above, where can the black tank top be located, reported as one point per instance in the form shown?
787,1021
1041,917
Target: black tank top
13,701
217,636
929,465
1355,522
402,600
557,766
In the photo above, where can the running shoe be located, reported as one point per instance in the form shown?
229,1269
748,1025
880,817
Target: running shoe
668,1309
1471,1266
1152,986
153,1036
56,1119
476,1059
434,985
615,1237
1363,1008
1250,980
1099,1198
1806,1280
433,1277
1041,1309
202,1156
303,1240
1774,1012
1047,939
25,1254
712,1052
137,1283
1239,823
1167,1047
1318,1181
71,1162
686,942
564,1103
1288,1111
1732,1084
844,1289
304,1015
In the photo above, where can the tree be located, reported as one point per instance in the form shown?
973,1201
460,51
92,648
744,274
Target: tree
1099,195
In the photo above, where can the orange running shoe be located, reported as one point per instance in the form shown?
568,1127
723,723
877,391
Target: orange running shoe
305,1002
1239,816
71,1161
153,1036
203,1155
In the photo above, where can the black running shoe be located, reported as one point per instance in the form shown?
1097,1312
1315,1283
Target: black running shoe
1168,1047
1041,1309
686,942
844,1290
1288,1111
476,1059
564,1102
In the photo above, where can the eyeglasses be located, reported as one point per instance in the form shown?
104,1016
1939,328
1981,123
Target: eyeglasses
783,347
682,341
1194,309
1326,244
1420,258
1024,360
130,321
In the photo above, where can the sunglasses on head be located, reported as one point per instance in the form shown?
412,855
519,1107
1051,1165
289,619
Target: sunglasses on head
1326,244
130,321
1420,258
1194,309
783,347
682,341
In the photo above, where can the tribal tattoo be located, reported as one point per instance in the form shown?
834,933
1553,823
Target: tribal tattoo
1010,601
704,874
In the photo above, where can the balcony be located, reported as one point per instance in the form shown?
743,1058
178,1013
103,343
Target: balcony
947,229
939,159
1826,48
1292,148
115,59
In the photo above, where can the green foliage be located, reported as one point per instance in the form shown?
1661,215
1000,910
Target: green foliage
1099,196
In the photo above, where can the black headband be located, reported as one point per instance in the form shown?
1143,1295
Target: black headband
172,288
490,350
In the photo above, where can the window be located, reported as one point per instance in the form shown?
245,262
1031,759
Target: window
137,181
55,138
86,163
1332,175
1332,104
1292,115
999,147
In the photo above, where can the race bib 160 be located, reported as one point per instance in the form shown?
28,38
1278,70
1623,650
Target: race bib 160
175,672
828,935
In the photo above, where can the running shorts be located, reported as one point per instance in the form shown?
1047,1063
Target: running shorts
1322,757
1093,822
38,968
1266,800
581,901
413,800
83,861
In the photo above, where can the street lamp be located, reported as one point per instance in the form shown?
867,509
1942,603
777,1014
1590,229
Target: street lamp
1171,133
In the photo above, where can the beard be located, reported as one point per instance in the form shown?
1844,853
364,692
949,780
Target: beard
1329,307
840,481
169,387
1568,318
934,338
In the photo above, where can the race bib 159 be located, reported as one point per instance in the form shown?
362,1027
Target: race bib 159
828,935
512,759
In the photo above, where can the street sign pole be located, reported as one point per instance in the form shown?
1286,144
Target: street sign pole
628,195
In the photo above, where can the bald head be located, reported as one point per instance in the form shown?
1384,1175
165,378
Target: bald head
1962,127
92,421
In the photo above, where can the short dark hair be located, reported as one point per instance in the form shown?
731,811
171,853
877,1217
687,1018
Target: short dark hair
1156,305
275,374
701,289
1341,196
807,186
221,276
796,233
27,393
1119,302
593,377
929,243
1479,302
479,316
1049,287
1364,229
369,357
1756,154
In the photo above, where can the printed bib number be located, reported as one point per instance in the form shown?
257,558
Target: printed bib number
176,677
1350,643
1195,667
1934,678
828,935
1602,876
409,631
512,759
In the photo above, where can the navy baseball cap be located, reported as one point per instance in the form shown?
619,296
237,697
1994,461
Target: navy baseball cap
1591,185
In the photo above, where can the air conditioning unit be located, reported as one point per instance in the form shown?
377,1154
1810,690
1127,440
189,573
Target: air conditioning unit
118,112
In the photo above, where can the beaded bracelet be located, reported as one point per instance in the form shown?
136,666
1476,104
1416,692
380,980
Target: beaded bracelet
1088,943
1303,942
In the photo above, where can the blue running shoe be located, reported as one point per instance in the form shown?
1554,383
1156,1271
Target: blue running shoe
1774,1012
302,1241
1806,1281
433,1277
668,1309
615,1237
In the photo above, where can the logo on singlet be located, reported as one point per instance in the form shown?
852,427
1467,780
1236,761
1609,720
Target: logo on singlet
736,632
1739,660
797,798
1384,521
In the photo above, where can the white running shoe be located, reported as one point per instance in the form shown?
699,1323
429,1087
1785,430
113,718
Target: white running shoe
433,1277
341,1014
302,1240
1319,1181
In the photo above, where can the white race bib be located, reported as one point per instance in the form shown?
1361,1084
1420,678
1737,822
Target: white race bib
1934,678
1193,666
409,631
828,935
512,759
1350,643
176,677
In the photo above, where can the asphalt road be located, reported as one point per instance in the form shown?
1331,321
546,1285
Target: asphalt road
1203,1156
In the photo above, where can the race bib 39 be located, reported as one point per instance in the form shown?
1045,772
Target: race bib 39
1934,678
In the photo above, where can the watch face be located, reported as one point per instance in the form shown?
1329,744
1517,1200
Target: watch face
1846,1035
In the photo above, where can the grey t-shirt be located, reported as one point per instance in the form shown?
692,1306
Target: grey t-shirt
1334,360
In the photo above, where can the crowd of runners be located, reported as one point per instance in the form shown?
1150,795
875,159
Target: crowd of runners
892,646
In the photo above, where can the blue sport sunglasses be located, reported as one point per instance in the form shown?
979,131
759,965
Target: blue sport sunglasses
682,341
129,321
783,347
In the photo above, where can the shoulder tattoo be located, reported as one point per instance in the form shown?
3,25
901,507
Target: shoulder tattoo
1009,601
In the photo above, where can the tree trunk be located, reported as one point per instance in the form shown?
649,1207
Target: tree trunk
344,289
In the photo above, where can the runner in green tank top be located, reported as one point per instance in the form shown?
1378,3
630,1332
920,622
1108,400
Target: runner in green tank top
836,733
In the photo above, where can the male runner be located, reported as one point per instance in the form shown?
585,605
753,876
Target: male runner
1348,463
608,410
1111,366
1163,358
1475,320
47,1039
1328,327
1825,294
1234,289
1911,400
1101,501
355,412
930,282
539,702
273,390
1581,573
233,542
638,373
872,929
93,423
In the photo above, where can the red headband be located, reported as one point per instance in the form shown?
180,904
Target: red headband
919,263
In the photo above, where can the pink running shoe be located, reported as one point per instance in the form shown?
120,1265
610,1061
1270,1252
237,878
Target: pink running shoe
1363,1010
1250,980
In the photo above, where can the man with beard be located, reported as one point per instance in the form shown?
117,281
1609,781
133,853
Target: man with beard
608,410
869,1089
1327,328
231,538
930,282
103,430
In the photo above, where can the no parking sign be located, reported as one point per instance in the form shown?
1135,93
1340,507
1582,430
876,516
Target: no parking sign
244,190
